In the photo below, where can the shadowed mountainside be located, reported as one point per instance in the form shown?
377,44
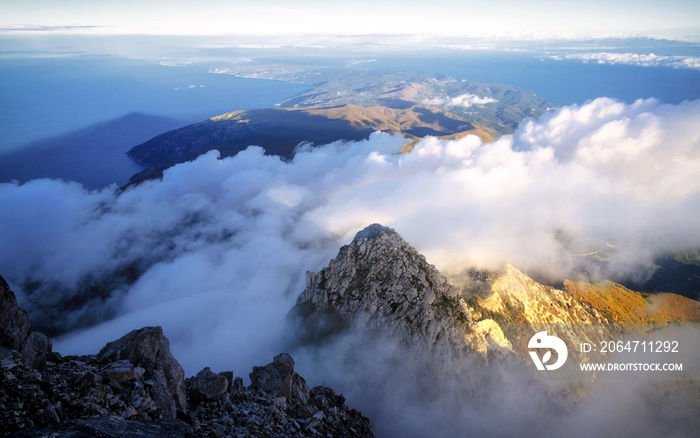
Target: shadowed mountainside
280,130
93,156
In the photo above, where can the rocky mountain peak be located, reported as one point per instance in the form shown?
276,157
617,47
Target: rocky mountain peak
381,283
373,231
379,273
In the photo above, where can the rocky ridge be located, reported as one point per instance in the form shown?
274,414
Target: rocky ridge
379,282
134,387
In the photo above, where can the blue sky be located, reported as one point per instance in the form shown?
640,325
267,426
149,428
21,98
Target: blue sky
498,18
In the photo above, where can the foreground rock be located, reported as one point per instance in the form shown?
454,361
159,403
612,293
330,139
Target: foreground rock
16,332
279,380
150,349
277,403
134,387
108,427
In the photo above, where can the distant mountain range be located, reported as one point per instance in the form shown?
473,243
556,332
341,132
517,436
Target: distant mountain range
350,106
498,107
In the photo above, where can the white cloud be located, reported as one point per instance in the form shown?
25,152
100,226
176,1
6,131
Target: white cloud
464,101
225,243
642,60
189,87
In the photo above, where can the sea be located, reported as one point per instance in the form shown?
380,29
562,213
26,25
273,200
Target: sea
74,118
52,107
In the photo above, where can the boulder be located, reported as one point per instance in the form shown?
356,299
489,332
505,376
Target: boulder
207,386
123,371
150,349
9,358
278,379
16,331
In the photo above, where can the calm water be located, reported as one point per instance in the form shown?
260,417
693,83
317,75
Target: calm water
44,97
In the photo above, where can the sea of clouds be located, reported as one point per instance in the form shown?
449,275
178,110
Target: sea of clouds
222,245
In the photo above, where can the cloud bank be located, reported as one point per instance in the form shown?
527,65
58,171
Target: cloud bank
216,252
640,60
220,246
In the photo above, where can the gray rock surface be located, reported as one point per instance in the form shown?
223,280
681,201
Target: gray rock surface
278,379
150,349
277,403
380,282
36,349
207,386
16,331
112,427
14,322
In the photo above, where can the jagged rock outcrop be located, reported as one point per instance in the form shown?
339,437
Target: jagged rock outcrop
380,282
207,386
150,349
14,322
79,387
277,403
86,396
134,387
16,331
279,380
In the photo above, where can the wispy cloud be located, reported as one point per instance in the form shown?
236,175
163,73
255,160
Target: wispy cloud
189,87
40,28
642,60
169,63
